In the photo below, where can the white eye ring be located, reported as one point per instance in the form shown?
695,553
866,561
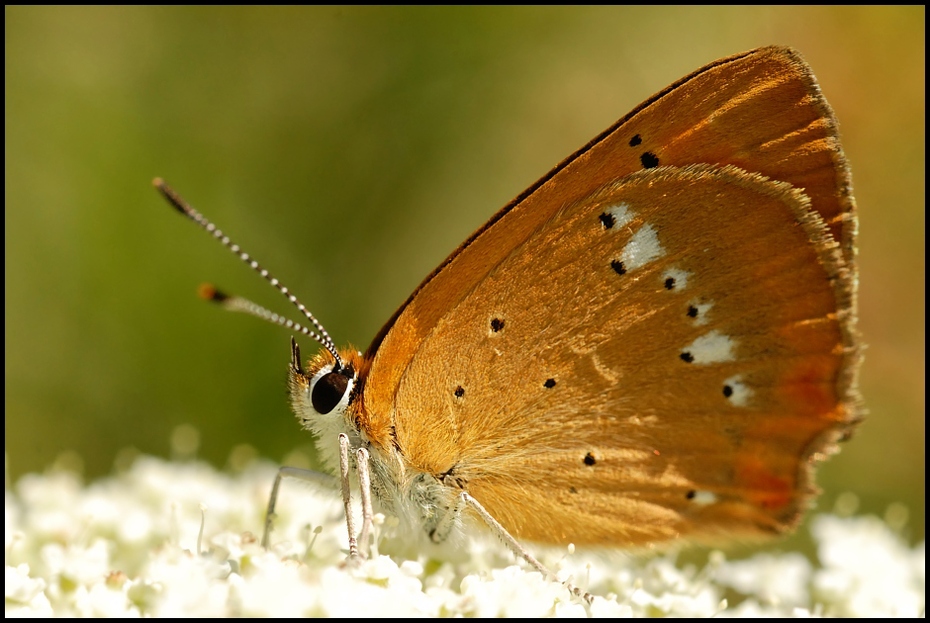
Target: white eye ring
329,392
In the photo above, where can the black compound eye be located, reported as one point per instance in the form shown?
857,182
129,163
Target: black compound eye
328,391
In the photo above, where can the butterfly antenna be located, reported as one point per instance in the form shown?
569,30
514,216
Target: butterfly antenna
235,303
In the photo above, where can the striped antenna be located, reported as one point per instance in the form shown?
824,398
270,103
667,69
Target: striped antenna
236,303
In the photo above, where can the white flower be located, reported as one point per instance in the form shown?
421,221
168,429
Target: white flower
868,570
24,595
130,545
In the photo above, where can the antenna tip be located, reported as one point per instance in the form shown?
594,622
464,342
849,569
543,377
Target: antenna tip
208,292
173,198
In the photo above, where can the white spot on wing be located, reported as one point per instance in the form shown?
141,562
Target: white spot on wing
741,393
704,498
712,347
680,277
622,214
642,248
702,309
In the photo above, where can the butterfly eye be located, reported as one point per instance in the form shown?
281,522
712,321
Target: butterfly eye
328,392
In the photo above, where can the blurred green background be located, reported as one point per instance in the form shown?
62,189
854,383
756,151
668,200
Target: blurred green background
350,150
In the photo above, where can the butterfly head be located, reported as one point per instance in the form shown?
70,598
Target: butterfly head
325,395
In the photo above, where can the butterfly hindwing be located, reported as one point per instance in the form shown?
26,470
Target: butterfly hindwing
634,392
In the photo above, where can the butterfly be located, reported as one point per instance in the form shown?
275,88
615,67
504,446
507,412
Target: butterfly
655,342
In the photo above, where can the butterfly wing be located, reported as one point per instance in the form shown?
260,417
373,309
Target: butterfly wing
600,414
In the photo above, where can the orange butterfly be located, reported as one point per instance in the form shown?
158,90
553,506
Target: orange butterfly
654,341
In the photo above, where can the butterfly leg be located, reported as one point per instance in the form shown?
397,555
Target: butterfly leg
294,473
364,481
347,493
515,546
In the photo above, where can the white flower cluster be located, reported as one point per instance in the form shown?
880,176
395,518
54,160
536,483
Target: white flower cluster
176,539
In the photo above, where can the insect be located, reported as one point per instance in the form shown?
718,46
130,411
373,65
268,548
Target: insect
656,341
